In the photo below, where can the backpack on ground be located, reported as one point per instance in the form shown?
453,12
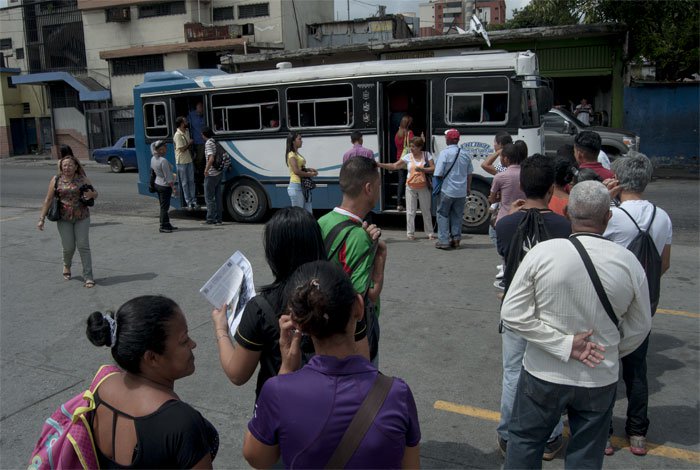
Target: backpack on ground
222,160
66,440
530,231
644,249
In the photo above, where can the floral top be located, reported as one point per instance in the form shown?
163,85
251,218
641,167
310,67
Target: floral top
69,194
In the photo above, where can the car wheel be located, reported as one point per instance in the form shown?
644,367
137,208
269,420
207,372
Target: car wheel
476,209
116,165
246,201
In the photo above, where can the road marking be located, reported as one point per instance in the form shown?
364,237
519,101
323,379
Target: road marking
681,313
618,442
10,218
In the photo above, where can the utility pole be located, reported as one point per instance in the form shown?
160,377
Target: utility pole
348,10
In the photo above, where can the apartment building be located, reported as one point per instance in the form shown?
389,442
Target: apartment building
438,17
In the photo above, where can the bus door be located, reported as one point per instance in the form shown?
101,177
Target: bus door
399,99
194,108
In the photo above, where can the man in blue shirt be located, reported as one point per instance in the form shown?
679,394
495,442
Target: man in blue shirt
455,167
197,123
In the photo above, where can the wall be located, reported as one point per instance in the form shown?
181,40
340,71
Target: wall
301,13
268,29
666,118
71,130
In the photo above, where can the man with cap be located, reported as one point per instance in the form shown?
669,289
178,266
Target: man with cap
455,168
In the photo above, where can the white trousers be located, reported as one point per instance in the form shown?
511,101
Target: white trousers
413,196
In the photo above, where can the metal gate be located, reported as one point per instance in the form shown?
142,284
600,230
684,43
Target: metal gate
106,125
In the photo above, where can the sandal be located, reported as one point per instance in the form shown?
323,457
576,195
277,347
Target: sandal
66,275
431,236
411,237
89,284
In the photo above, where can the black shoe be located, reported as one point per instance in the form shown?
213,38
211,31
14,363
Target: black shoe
443,246
552,448
165,230
171,228
502,445
208,222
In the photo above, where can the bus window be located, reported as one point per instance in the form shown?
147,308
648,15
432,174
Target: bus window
156,120
529,111
320,106
471,100
246,111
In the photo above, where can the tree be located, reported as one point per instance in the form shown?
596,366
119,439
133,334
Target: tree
665,32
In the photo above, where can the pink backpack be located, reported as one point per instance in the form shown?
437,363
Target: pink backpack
66,438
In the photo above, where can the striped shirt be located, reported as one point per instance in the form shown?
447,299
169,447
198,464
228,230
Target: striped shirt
552,298
209,152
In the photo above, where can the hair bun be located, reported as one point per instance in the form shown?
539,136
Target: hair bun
98,329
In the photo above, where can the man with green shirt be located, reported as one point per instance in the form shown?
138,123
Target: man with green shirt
357,247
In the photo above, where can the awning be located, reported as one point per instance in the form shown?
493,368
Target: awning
88,89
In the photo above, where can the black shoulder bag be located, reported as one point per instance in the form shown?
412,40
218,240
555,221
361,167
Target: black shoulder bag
54,213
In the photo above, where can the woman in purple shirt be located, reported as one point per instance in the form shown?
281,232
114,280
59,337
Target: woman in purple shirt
303,415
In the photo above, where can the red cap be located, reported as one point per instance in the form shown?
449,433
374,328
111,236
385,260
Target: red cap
452,134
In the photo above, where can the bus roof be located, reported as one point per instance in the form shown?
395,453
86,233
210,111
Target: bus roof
521,63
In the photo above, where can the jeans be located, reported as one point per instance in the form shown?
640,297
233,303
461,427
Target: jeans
634,374
449,216
185,174
76,233
199,163
401,188
213,195
413,196
296,196
164,195
539,405
513,347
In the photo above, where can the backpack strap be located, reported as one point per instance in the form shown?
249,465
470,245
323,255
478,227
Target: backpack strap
653,216
595,279
265,307
363,419
89,396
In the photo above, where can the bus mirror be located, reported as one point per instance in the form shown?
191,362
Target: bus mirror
544,99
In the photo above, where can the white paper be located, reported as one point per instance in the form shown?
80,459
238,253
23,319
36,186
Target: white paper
231,285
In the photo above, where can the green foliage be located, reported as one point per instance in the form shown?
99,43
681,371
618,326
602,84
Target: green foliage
665,32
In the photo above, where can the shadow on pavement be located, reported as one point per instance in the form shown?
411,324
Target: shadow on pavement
435,454
112,280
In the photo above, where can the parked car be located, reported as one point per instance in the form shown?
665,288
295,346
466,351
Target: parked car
561,126
119,156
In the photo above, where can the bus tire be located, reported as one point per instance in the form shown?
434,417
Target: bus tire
476,209
246,201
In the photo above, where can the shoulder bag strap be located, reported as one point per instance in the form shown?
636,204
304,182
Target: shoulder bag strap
453,163
266,307
596,280
333,234
363,419
55,187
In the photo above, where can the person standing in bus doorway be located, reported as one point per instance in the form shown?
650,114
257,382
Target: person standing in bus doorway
183,160
297,171
197,123
213,189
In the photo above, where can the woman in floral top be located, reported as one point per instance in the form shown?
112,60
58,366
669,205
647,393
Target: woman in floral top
75,192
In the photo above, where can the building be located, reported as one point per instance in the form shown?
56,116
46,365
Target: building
491,11
358,31
445,16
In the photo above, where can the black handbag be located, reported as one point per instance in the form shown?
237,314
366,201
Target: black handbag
86,202
54,213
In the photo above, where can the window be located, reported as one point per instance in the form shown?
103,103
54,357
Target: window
64,96
6,43
222,14
482,100
118,15
155,118
26,109
19,53
161,9
129,143
529,110
320,106
137,65
246,111
554,122
255,10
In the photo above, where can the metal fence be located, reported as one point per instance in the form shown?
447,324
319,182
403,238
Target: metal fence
106,125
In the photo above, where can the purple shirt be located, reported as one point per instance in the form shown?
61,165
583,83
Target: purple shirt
358,150
508,183
308,411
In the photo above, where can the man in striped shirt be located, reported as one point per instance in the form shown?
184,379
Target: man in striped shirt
571,360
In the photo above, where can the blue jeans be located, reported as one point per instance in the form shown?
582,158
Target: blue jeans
296,196
513,347
539,405
449,217
185,174
213,195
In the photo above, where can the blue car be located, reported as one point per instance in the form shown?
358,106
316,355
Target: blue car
119,156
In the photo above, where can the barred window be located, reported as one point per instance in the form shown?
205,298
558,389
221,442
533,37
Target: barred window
26,109
6,43
64,96
137,65
246,111
222,14
320,106
19,53
254,10
161,9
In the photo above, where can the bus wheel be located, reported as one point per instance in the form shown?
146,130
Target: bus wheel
476,209
246,201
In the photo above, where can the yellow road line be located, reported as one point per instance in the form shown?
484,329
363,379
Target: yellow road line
9,218
680,313
618,442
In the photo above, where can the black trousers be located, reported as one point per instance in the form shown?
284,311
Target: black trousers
164,195
634,374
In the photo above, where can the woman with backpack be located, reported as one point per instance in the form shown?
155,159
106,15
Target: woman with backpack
419,166
213,189
139,420
303,415
75,194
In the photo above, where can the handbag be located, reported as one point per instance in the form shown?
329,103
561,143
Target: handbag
54,213
437,180
361,422
86,202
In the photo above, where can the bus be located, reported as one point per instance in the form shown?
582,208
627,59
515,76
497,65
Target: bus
251,113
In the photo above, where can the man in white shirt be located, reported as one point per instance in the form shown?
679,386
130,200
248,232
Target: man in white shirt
583,112
633,173
553,304
183,159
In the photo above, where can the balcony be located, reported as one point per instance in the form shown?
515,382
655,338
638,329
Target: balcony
199,32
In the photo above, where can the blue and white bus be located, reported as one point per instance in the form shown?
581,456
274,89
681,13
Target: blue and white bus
252,113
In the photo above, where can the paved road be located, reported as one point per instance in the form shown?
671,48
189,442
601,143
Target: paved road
439,316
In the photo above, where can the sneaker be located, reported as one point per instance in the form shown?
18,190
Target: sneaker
638,445
454,243
443,246
207,222
552,448
173,228
609,450
219,223
499,285
165,230
502,445
500,273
